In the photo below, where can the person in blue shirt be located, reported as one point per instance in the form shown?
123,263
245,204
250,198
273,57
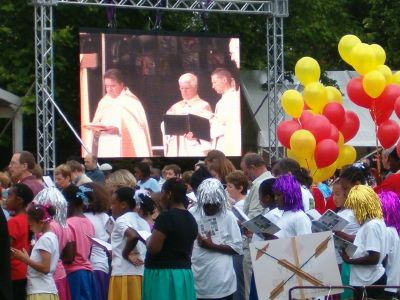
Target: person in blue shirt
145,182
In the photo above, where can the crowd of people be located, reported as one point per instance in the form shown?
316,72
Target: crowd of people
158,234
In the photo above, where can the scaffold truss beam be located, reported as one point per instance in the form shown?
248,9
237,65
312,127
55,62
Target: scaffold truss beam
274,10
261,7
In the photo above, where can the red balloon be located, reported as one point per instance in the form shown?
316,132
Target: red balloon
335,113
350,126
334,134
285,130
305,117
397,107
319,126
383,106
388,133
326,153
398,149
356,93
379,115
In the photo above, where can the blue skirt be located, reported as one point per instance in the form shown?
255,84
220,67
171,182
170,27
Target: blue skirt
82,285
168,284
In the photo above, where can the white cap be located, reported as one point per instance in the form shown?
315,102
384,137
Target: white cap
105,167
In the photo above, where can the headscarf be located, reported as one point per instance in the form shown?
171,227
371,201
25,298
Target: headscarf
52,196
211,191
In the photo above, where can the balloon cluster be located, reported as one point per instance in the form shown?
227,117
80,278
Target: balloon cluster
320,127
377,89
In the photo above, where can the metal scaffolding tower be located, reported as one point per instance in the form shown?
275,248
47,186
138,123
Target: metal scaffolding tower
44,79
274,10
275,71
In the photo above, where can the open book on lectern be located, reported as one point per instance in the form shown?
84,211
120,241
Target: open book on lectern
182,124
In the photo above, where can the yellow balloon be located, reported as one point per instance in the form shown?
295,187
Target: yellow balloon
315,96
292,103
307,70
363,58
303,161
396,78
302,143
374,83
386,72
346,45
310,165
341,140
347,156
324,173
307,163
379,53
334,95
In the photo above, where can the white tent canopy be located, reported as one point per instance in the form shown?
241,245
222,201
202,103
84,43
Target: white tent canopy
9,109
251,82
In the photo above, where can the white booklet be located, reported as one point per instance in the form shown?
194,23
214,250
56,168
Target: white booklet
329,221
209,226
313,214
102,244
341,244
261,224
239,214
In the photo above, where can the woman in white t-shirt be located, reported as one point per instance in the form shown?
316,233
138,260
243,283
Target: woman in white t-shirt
219,238
371,241
44,256
96,213
391,209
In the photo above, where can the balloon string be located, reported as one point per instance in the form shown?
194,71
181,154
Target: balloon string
376,140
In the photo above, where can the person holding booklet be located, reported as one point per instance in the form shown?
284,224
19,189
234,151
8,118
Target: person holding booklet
128,253
191,103
272,212
52,196
294,220
371,241
43,259
168,274
96,213
236,187
391,207
348,232
219,238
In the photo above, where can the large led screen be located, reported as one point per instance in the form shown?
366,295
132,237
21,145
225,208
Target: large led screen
146,95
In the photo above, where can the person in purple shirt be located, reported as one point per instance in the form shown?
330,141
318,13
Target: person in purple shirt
20,168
